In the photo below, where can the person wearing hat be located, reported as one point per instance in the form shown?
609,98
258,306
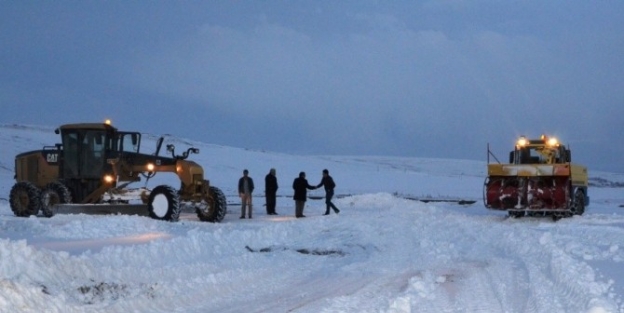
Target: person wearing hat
270,191
329,184
301,186
245,188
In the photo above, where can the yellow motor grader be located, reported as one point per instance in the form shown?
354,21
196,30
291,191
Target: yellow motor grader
95,162
539,180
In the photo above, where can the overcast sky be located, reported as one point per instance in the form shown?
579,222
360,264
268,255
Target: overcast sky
407,78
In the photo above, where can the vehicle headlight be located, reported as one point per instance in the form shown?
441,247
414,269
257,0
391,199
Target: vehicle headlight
553,142
109,179
522,142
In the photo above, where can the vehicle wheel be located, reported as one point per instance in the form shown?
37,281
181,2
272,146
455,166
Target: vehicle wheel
25,199
578,203
54,193
516,214
164,204
214,206
559,215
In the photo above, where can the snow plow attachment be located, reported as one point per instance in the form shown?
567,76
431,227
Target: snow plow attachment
539,180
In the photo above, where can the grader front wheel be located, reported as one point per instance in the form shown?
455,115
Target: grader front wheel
164,204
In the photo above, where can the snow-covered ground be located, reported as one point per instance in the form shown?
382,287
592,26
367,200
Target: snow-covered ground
382,253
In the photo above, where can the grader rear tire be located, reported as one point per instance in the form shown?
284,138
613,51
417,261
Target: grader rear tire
164,204
214,206
25,199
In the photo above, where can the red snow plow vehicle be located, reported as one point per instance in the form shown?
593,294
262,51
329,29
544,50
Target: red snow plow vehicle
539,180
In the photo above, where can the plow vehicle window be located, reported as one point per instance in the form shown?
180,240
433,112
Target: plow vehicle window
538,155
530,156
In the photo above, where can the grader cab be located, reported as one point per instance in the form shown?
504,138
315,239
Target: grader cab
96,160
540,179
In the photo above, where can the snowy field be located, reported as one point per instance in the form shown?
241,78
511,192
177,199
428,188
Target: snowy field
384,252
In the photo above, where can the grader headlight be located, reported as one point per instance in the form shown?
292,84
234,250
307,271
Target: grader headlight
109,179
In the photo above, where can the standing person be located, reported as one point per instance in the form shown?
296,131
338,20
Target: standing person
270,190
245,188
329,184
301,186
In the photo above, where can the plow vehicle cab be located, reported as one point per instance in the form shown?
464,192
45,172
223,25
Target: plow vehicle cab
538,180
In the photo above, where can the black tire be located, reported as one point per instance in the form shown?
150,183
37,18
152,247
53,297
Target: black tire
516,214
578,203
54,193
214,206
25,199
164,204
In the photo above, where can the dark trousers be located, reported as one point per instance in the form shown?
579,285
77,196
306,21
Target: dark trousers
271,202
299,205
329,194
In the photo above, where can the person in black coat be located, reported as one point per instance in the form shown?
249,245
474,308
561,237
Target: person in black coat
270,191
329,184
301,186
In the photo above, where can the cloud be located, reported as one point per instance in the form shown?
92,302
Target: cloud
271,70
387,82
410,78
374,83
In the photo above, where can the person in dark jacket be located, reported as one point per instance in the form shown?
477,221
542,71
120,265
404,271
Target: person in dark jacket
245,188
270,191
301,186
329,184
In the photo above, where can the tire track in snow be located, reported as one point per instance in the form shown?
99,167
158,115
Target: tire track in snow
548,277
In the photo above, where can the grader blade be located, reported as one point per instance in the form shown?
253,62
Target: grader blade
101,209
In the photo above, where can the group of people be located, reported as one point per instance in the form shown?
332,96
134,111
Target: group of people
300,186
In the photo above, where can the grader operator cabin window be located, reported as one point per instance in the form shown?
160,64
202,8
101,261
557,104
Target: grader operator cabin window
84,152
129,142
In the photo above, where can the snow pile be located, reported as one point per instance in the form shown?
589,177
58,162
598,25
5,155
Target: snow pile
382,253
